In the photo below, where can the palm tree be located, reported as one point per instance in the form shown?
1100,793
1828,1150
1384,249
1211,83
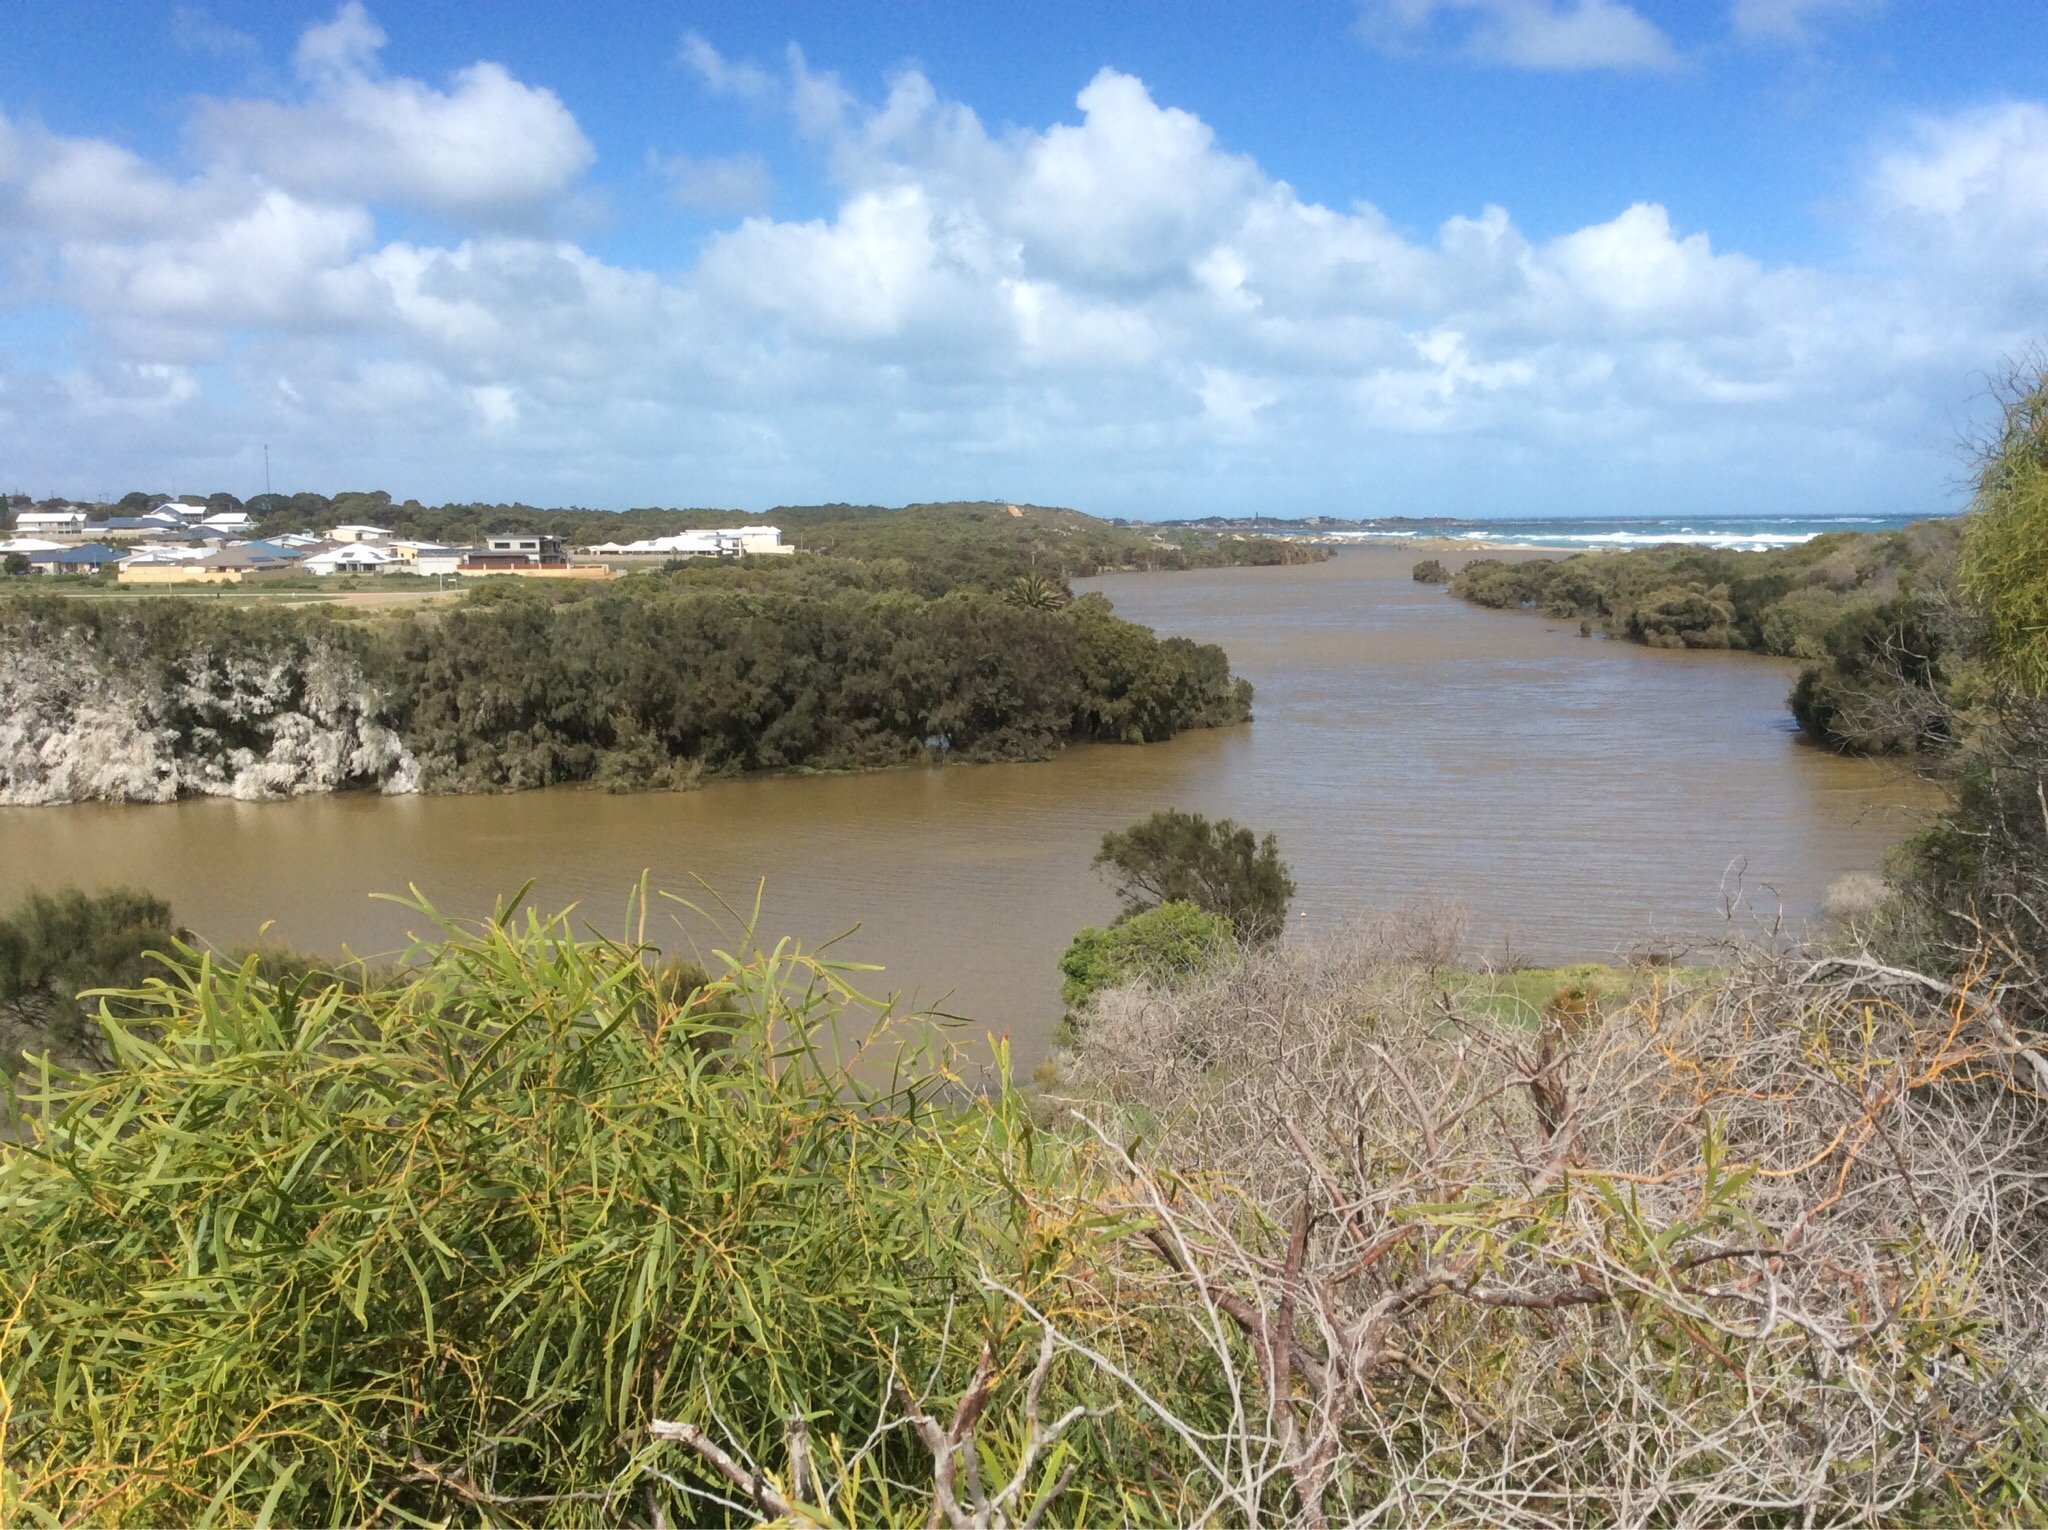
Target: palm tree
1035,592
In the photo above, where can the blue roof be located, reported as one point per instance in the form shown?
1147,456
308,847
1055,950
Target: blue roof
90,552
270,550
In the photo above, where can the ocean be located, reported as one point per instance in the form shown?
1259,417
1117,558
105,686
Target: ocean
1753,533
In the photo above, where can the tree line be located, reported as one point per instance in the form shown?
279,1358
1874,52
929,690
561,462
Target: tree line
1857,607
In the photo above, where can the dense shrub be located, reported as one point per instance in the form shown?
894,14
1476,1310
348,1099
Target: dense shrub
2004,563
1979,872
1430,571
1641,1262
1160,946
447,1249
1175,856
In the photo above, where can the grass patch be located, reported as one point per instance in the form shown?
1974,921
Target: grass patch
1525,994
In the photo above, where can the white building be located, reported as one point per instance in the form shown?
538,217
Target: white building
184,509
359,534
718,542
49,522
352,558
228,520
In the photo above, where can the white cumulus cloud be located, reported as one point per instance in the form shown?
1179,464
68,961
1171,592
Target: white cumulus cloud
488,147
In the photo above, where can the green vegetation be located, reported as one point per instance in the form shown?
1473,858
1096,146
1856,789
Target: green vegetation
660,679
1430,571
1853,604
936,631
661,684
1159,946
1978,875
1530,995
2004,566
1174,856
449,1247
54,947
522,1235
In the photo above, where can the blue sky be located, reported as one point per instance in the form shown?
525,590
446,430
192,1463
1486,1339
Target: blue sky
1408,256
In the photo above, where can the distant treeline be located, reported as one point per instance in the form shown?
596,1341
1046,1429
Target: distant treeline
1855,605
657,680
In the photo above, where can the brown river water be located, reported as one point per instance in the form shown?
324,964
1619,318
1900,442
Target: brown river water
1580,797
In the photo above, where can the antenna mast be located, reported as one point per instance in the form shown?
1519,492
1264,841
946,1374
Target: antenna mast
266,468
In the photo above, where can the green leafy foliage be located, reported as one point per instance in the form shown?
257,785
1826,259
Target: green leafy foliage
662,684
1175,856
443,1249
1980,869
1160,946
2003,569
1430,571
56,946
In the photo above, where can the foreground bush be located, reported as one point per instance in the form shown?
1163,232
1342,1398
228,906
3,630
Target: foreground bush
449,1248
1180,857
1762,1250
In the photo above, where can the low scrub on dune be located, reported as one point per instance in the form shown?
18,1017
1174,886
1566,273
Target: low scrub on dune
1764,1248
532,1232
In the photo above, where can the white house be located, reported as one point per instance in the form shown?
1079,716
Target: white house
359,534
29,545
228,520
352,558
51,522
718,542
184,509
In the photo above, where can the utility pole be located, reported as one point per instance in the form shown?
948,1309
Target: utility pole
266,469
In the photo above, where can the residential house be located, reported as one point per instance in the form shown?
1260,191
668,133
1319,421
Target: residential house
360,534
529,553
86,558
51,522
351,558
715,542
436,562
239,564
129,527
